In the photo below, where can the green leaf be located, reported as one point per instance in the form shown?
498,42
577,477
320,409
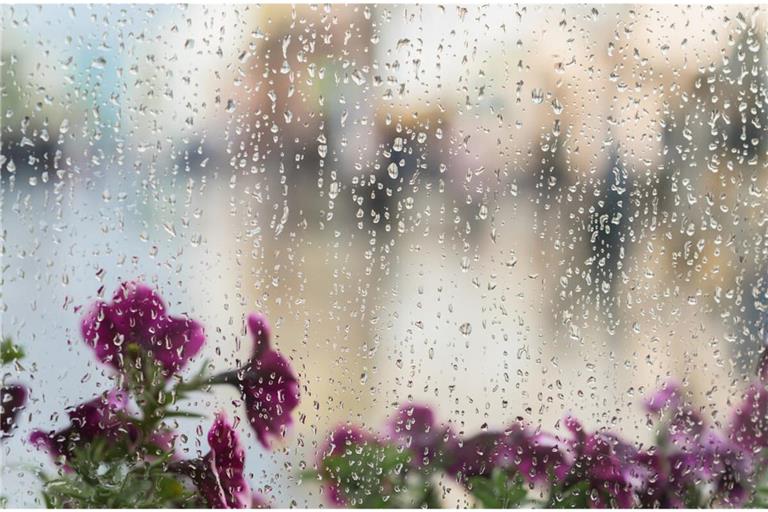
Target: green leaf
10,352
499,490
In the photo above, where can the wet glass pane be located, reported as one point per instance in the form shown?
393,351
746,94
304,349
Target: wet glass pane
384,255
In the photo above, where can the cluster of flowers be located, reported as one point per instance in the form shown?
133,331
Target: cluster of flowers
127,427
120,447
691,465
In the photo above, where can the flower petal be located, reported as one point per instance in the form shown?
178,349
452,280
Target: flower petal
100,333
480,454
100,418
259,328
666,397
415,428
271,393
137,311
222,480
749,424
137,317
178,340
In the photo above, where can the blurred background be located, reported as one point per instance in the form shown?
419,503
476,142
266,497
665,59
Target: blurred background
500,211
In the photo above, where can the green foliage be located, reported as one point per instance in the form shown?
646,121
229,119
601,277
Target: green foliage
760,494
499,490
10,352
121,483
369,475
131,473
759,499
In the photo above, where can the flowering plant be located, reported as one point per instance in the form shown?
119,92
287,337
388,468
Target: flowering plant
691,464
119,448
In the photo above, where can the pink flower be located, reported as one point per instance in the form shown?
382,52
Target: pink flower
100,418
137,317
727,465
606,462
665,480
268,385
415,428
532,454
668,397
696,453
749,424
220,474
538,454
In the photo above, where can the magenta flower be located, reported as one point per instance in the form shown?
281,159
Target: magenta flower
480,454
137,317
267,384
534,455
220,474
666,476
12,400
665,480
100,418
414,427
695,453
749,424
668,397
605,462
684,427
539,454
727,465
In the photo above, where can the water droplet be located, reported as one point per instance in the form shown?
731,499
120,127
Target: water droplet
392,170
